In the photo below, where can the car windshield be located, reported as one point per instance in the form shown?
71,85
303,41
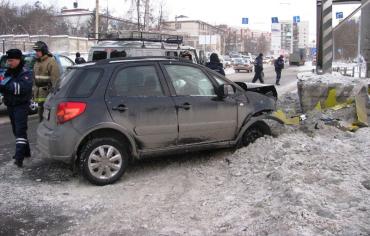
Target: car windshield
240,61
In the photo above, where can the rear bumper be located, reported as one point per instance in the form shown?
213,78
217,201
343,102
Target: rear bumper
243,67
58,144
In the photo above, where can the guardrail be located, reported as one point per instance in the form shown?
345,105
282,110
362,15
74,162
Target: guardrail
352,71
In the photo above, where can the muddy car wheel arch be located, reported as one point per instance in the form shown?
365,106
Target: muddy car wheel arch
107,129
255,131
101,150
253,121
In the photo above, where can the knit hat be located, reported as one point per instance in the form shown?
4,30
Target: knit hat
14,54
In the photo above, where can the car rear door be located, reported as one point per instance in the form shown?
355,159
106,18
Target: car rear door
138,100
203,117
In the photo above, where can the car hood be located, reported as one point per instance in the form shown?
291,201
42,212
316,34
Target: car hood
268,90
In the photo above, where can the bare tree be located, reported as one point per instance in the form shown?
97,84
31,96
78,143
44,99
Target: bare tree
262,45
145,13
28,19
346,40
135,8
161,14
7,16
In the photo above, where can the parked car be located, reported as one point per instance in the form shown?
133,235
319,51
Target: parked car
227,63
268,60
30,59
107,113
240,64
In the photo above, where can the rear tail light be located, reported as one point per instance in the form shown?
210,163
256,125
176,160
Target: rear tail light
69,110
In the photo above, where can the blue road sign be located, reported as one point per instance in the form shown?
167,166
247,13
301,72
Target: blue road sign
274,20
313,51
339,15
245,21
296,19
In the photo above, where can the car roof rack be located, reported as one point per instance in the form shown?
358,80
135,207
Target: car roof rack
138,36
145,58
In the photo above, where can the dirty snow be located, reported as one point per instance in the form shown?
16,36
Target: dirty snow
312,179
296,184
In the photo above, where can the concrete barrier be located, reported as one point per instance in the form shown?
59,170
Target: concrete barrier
329,89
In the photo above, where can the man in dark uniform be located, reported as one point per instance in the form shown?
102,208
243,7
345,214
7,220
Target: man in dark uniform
215,64
16,86
258,69
279,66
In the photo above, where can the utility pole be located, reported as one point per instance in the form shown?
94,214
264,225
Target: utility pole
324,36
365,34
97,19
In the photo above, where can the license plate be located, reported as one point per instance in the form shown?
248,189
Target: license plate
46,114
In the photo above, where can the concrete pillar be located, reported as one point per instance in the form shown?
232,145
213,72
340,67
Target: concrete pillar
365,34
324,36
327,36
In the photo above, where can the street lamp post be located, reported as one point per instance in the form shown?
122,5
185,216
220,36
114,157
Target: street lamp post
97,19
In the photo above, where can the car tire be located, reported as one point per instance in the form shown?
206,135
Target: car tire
255,131
101,157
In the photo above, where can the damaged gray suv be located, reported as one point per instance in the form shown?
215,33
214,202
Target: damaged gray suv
103,115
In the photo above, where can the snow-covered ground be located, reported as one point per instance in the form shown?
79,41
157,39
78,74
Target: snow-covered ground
311,179
297,184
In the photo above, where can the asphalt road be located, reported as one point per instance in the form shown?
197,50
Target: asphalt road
288,75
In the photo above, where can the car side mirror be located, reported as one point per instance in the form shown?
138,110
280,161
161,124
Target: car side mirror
224,90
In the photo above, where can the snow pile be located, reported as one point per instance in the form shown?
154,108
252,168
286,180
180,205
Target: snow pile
313,179
296,184
306,185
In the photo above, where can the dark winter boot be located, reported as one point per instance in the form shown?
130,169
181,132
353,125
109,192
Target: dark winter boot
19,163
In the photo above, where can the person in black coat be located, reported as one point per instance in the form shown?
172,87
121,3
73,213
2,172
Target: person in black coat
258,69
215,64
279,66
79,59
16,86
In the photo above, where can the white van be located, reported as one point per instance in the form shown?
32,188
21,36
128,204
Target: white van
140,44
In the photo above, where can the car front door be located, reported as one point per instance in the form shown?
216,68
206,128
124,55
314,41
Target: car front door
203,116
138,100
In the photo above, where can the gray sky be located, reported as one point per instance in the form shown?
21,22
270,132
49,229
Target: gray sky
228,12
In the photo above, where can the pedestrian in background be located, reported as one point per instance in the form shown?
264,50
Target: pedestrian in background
16,86
215,64
79,59
258,69
47,74
279,66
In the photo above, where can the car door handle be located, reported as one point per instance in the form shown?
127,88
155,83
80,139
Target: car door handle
120,108
185,106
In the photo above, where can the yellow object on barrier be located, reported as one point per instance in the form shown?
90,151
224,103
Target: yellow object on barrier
318,106
331,100
288,121
361,110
